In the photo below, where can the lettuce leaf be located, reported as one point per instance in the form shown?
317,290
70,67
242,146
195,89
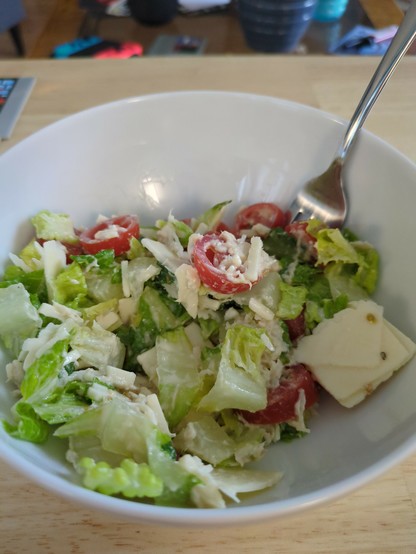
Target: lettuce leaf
40,382
155,315
19,319
98,347
357,261
29,426
123,429
211,217
70,287
53,226
239,383
205,438
179,380
292,300
130,479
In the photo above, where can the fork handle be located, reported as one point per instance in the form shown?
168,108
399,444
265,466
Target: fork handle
402,40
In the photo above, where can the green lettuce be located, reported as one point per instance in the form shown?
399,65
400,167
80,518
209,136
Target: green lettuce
239,383
40,382
70,287
98,347
355,260
53,226
130,479
125,431
64,404
19,319
205,438
182,230
28,426
156,313
179,380
33,281
292,300
211,217
30,255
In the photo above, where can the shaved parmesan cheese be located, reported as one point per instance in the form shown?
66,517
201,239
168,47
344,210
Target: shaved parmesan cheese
126,309
262,311
18,262
120,378
254,259
188,288
163,255
60,312
110,232
168,236
109,321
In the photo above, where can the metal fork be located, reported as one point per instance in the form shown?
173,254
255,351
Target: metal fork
324,197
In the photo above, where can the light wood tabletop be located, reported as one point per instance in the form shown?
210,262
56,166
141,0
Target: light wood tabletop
378,518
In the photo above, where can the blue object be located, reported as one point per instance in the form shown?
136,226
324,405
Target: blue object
330,10
68,49
275,25
364,41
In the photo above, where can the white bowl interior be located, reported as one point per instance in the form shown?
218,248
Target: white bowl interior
184,152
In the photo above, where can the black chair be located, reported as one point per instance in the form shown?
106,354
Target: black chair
12,13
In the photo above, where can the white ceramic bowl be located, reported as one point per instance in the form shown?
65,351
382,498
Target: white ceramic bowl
186,151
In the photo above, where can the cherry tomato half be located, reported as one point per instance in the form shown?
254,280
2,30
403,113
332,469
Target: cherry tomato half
123,227
265,213
298,230
296,327
207,255
281,401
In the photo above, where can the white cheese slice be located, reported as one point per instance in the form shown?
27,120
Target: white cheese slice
351,338
352,384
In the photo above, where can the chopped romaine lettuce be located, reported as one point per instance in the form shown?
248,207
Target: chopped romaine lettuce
292,300
357,260
210,219
178,377
205,438
70,287
19,319
29,426
239,383
129,479
154,317
98,347
52,226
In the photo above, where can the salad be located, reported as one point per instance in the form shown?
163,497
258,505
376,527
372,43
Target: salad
171,357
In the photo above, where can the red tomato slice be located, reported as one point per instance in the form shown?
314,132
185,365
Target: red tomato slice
298,230
125,227
281,401
296,327
206,258
72,250
265,213
222,227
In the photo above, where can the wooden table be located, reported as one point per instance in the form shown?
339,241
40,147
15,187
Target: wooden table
377,519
